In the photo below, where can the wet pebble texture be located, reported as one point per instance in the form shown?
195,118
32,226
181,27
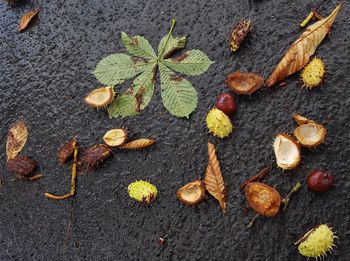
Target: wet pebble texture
46,71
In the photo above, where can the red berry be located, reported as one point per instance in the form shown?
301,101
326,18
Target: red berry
226,103
319,181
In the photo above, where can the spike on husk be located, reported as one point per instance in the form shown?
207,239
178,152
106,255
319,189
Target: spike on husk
313,73
287,151
101,97
219,123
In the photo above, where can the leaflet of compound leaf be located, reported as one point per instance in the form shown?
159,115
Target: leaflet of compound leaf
178,95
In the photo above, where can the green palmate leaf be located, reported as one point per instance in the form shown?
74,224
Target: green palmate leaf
179,96
123,106
193,62
138,46
143,87
116,68
174,44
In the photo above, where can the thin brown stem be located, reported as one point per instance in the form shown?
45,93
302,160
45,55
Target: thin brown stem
251,223
36,177
258,176
286,200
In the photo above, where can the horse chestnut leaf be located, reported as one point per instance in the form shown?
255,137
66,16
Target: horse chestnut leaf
319,181
226,103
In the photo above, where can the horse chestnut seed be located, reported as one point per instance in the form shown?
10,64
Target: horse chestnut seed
226,103
319,181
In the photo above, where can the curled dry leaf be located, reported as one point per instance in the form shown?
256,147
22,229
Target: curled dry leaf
16,139
263,199
309,133
192,193
138,144
214,182
115,137
66,151
239,33
287,151
22,166
27,18
298,55
96,154
101,97
244,83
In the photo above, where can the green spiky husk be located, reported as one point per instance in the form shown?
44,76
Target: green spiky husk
313,73
142,191
219,123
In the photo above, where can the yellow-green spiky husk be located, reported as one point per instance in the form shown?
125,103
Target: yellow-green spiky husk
219,123
313,73
142,191
317,242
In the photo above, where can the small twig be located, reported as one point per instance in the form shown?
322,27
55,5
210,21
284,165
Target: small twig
312,14
258,176
73,180
286,200
35,177
251,223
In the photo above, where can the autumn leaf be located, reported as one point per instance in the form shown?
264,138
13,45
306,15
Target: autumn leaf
213,180
298,55
26,18
16,139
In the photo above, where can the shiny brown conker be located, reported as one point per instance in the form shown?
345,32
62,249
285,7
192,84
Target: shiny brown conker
226,103
319,181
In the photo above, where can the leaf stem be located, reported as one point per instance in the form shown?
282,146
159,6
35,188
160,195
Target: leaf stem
251,223
167,39
258,176
286,200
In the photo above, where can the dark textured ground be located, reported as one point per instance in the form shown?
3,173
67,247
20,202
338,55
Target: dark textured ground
45,73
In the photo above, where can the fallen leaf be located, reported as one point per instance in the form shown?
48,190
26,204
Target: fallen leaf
16,139
298,55
26,18
244,83
213,180
138,144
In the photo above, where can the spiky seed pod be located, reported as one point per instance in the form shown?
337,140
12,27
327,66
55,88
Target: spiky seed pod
192,193
142,191
317,242
309,133
101,97
96,154
138,144
115,137
66,151
263,199
287,151
239,33
313,73
219,123
22,166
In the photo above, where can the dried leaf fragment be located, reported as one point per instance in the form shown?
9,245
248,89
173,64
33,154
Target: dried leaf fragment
244,83
192,193
16,139
22,166
298,55
66,151
115,137
214,182
263,199
239,33
27,18
138,144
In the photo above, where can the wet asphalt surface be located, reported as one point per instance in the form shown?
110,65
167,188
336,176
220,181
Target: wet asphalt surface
46,71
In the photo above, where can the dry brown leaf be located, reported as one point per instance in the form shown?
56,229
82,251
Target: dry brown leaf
26,18
138,144
213,180
298,55
16,139
244,83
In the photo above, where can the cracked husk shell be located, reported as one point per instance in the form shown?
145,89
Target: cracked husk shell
287,151
263,199
142,191
317,242
219,123
244,83
115,137
192,193
101,97
313,73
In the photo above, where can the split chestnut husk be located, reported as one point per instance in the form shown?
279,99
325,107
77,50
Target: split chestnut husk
244,83
96,154
287,151
263,199
309,133
22,166
192,193
115,137
101,97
